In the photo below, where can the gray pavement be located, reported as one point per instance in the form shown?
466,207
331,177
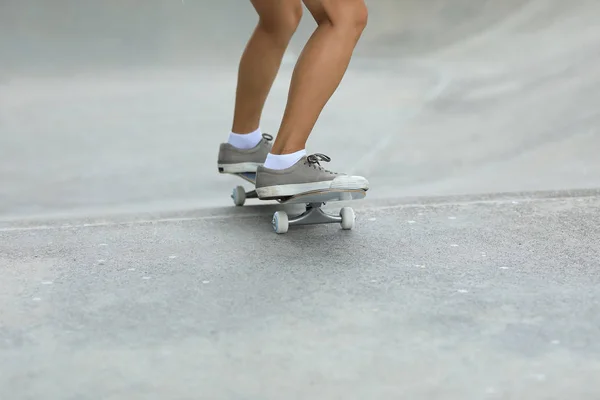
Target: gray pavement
127,273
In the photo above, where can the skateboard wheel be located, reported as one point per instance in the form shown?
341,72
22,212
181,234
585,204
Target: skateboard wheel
280,222
348,218
239,196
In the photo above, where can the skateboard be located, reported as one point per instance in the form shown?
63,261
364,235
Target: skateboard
313,201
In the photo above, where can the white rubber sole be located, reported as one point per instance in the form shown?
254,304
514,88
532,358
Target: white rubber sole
341,183
238,168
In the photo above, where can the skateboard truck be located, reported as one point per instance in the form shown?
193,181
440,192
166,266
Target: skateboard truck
313,215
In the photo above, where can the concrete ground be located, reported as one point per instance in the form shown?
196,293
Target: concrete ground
127,273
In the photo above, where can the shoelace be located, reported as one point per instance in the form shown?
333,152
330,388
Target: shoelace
267,137
314,160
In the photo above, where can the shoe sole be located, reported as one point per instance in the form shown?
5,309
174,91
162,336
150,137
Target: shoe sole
339,183
238,168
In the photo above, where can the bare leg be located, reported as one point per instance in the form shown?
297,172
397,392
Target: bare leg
320,68
260,62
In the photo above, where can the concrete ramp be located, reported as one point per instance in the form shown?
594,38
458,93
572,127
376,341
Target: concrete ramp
127,273
117,105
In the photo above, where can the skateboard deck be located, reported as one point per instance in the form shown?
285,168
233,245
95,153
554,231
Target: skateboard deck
313,200
248,176
324,196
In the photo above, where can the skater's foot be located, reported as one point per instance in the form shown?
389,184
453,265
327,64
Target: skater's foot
234,160
304,176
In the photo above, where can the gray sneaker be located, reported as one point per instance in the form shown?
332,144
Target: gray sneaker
236,161
304,176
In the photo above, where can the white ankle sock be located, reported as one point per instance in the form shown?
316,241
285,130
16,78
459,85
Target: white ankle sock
245,141
283,161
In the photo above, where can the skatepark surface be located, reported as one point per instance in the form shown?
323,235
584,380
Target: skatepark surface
126,272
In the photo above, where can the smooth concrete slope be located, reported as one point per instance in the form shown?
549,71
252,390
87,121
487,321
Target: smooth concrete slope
112,106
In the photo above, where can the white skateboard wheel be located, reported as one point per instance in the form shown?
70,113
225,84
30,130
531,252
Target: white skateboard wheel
348,218
239,196
280,222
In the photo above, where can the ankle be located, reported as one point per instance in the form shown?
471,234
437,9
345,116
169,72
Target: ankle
280,151
246,140
283,161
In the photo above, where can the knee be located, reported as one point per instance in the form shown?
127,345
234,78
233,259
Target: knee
350,14
284,21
